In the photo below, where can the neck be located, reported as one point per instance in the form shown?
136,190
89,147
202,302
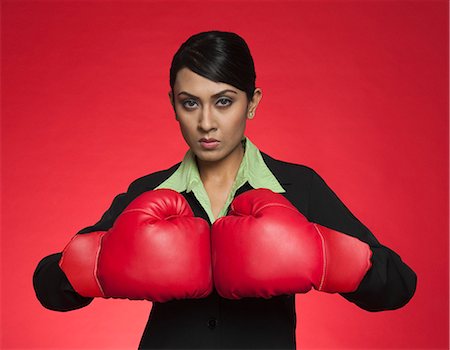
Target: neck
222,171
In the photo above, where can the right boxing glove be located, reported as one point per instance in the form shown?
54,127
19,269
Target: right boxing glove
156,250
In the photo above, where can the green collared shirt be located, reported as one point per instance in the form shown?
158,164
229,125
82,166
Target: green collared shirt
252,169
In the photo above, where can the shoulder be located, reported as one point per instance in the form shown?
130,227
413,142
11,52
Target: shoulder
296,179
288,171
150,181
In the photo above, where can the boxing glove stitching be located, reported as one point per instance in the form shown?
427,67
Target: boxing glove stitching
275,205
324,258
153,214
97,256
61,261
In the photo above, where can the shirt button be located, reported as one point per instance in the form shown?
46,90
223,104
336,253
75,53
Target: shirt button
212,323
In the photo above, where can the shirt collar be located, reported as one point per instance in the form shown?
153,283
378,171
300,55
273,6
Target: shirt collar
252,169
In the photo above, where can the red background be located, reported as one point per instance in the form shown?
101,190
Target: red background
356,90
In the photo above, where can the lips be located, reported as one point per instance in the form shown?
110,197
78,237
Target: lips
209,144
208,140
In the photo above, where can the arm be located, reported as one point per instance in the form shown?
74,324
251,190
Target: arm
390,283
51,285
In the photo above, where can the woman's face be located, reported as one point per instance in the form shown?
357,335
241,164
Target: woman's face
212,116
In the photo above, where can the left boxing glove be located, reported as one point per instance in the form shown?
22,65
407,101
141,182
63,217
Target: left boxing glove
265,247
156,250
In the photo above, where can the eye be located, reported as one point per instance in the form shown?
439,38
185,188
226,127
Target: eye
189,104
224,102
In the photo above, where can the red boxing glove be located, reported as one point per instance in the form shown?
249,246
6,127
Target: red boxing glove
266,247
156,250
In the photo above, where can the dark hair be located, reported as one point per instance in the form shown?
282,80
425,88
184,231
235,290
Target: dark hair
223,57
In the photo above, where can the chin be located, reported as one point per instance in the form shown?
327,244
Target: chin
205,157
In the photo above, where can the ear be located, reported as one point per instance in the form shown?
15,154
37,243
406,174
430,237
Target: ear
257,95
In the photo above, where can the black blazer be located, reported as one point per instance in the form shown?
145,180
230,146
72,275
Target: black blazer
249,323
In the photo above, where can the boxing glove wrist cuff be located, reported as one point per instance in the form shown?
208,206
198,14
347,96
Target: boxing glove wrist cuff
346,261
79,263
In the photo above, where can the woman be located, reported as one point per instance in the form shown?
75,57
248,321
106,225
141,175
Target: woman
247,231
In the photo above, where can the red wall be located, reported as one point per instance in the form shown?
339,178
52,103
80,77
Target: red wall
356,90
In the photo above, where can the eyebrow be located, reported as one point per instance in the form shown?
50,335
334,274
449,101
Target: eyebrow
213,96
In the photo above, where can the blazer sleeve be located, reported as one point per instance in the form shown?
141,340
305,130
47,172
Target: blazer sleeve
52,288
390,283
51,285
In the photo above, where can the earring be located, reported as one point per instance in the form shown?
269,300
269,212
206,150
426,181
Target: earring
250,115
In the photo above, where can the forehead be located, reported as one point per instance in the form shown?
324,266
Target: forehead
195,84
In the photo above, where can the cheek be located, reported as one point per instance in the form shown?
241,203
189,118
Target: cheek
187,128
233,116
237,123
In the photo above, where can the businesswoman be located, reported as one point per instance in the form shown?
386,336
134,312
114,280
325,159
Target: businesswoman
223,240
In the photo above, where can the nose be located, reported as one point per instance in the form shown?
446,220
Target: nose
207,120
